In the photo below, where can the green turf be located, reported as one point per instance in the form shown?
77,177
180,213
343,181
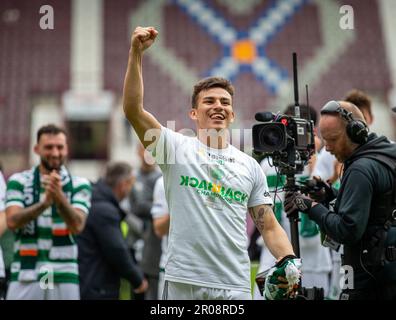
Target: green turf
253,271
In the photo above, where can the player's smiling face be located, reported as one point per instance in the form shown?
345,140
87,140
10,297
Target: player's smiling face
52,150
213,109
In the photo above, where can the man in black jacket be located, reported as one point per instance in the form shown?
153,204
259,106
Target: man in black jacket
141,201
365,208
103,254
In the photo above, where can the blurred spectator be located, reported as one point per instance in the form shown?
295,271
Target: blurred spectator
363,102
141,201
161,220
46,207
103,254
3,227
6,239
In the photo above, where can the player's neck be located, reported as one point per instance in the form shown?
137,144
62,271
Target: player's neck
214,139
43,169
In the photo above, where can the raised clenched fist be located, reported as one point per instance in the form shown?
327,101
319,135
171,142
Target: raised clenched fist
143,38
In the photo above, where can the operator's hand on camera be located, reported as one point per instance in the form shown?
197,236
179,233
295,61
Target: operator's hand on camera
296,201
320,191
282,281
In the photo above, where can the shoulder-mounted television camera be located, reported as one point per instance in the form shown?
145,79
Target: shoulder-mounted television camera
289,140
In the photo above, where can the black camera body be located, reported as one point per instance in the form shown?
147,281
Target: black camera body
288,140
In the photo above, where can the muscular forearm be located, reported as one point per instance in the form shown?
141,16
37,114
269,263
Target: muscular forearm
18,219
274,236
140,119
133,86
74,220
277,242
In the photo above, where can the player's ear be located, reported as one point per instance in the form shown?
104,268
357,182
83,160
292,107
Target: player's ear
232,117
36,149
193,113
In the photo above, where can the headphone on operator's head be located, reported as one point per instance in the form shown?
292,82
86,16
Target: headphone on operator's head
356,130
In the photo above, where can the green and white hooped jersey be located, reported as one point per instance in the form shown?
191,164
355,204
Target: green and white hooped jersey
63,269
2,208
208,192
307,227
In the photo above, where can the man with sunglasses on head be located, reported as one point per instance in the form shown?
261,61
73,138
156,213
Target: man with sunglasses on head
364,216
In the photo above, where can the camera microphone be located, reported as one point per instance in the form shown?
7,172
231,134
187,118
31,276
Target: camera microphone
264,116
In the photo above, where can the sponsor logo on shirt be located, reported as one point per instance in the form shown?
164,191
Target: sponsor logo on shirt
212,189
220,157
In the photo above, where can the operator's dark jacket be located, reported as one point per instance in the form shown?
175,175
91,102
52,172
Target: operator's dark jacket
103,254
362,182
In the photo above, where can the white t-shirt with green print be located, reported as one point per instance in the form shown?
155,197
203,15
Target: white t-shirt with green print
208,193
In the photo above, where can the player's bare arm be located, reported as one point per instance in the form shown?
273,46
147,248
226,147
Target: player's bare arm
273,234
18,217
73,217
141,120
161,225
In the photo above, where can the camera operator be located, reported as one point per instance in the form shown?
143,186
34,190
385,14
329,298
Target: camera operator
362,218
328,169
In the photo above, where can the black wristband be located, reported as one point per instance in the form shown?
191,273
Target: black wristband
285,258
